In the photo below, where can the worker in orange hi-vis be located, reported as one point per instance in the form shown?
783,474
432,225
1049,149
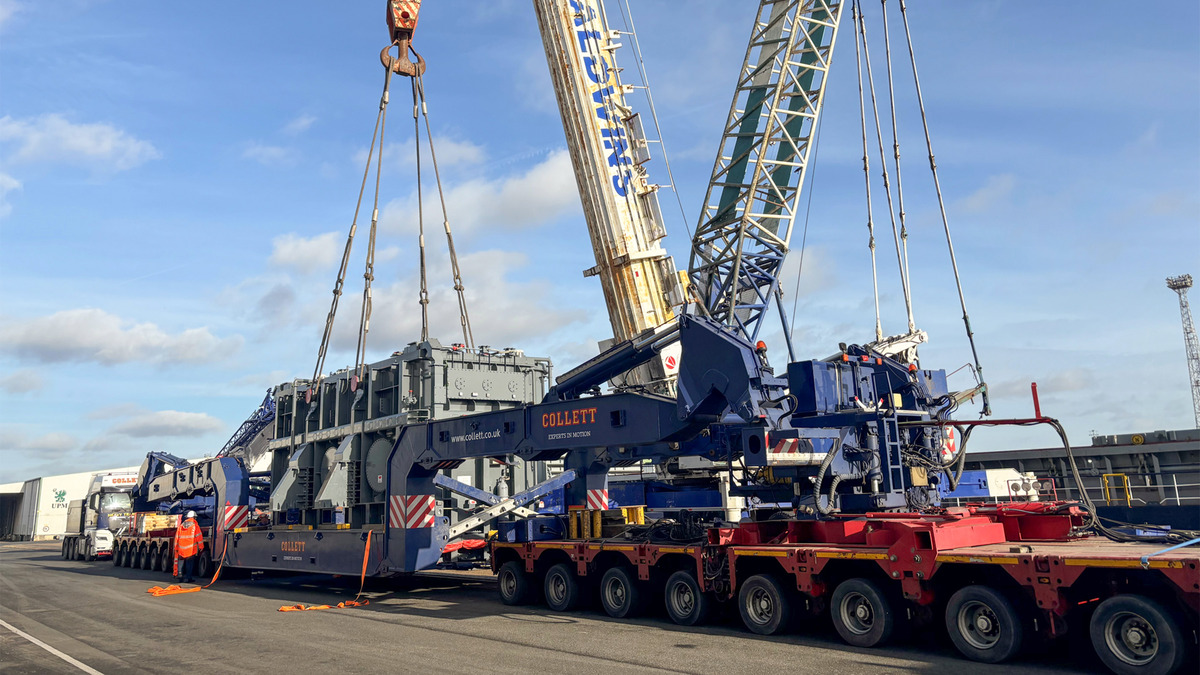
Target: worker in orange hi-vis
189,542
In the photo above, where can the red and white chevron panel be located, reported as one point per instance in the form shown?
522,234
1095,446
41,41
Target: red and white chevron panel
396,512
597,499
419,511
236,516
949,442
793,452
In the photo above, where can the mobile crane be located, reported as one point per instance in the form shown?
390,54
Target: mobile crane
846,451
609,151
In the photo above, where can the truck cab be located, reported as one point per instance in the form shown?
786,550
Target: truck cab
92,521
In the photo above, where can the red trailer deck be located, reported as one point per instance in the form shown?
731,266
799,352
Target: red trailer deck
997,578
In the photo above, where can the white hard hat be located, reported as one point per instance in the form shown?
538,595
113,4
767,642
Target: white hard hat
190,514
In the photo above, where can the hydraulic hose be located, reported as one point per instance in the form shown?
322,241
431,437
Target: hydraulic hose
825,464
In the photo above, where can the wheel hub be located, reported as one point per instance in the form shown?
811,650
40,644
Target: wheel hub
983,624
862,613
760,606
979,625
616,593
684,602
1131,638
857,613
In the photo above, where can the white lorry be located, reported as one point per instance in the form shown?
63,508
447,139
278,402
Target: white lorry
94,520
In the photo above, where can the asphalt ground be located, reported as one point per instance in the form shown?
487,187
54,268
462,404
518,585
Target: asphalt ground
102,618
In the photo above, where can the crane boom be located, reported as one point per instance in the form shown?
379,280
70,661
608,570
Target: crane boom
608,150
744,230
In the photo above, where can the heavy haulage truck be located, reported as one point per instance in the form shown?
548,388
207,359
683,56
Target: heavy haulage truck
854,532
840,459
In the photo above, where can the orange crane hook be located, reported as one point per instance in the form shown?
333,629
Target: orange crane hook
402,21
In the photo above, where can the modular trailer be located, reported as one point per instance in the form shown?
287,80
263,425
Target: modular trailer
997,577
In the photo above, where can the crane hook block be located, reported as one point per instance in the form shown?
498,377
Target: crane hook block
402,21
402,18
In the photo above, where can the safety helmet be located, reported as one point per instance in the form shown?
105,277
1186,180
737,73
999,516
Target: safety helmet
190,514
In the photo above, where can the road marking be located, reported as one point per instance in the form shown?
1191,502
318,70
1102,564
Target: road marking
78,664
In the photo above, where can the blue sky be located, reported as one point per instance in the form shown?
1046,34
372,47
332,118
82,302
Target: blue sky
176,181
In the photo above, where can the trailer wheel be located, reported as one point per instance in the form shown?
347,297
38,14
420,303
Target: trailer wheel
130,554
72,553
983,625
1135,635
862,614
619,593
204,565
63,552
686,604
561,588
166,557
764,605
515,584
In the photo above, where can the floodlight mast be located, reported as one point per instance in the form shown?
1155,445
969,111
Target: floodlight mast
1180,284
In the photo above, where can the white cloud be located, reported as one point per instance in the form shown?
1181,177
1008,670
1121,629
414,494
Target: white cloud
52,138
387,254
167,423
275,306
8,8
263,380
306,254
298,125
1063,381
450,152
504,312
115,411
269,155
22,382
7,185
993,192
544,193
97,336
52,443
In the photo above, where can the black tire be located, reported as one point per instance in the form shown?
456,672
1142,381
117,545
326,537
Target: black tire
63,551
620,594
983,625
1134,635
148,555
204,567
139,556
73,550
561,588
155,561
515,584
167,557
686,604
130,554
764,605
862,614
116,554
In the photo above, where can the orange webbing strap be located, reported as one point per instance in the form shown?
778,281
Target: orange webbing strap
362,581
221,562
341,605
173,589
